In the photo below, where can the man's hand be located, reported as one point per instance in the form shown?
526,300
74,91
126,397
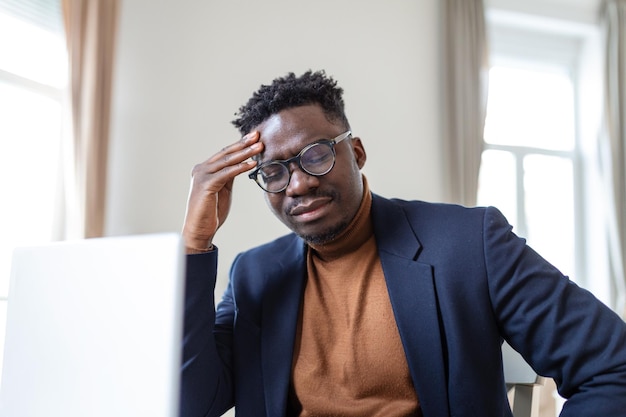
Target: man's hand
211,188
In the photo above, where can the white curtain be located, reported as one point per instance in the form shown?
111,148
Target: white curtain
466,72
614,140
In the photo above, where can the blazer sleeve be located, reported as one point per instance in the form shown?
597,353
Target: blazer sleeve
206,377
562,330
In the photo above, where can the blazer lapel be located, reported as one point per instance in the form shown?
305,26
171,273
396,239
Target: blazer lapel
413,298
285,283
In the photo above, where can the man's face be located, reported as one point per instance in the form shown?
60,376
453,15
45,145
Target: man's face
315,208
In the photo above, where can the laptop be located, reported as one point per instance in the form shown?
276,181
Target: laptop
94,328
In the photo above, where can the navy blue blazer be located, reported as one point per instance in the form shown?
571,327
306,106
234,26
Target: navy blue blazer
459,282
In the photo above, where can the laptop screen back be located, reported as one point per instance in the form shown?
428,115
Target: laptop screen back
94,329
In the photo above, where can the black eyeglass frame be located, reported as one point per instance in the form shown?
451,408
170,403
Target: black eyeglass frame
254,175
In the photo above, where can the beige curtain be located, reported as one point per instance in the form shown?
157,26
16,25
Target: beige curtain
90,30
614,29
465,81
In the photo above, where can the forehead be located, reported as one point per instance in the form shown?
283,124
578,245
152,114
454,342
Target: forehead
285,133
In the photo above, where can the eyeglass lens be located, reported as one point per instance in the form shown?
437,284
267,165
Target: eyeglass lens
317,159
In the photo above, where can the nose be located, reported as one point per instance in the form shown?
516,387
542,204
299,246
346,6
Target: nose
301,182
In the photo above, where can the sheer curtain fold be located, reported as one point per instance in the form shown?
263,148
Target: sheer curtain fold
90,31
465,82
613,22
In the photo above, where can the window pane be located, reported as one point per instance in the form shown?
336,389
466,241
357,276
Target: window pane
496,185
32,52
530,108
30,131
549,209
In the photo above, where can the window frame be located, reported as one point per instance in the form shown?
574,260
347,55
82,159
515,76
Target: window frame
521,41
49,91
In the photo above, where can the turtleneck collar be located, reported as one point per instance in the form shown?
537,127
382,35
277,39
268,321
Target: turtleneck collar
355,235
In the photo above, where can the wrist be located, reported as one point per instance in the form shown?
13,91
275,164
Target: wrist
195,245
191,250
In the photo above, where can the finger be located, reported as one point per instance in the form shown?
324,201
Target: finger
231,171
230,164
239,148
240,156
215,181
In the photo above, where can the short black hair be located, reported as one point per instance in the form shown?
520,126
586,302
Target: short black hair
292,91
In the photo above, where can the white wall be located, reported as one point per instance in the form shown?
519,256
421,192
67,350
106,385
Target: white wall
184,67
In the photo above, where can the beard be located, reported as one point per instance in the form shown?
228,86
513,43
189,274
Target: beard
326,236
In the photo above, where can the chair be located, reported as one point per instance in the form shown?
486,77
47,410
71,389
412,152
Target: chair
522,383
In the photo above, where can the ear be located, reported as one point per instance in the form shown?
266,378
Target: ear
359,152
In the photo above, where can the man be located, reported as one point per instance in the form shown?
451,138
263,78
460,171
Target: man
371,307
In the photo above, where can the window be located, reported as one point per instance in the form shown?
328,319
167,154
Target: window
33,73
532,165
530,157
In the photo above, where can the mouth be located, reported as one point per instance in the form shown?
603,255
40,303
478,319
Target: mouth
310,209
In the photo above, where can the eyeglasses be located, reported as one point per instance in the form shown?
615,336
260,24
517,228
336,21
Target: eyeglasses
317,159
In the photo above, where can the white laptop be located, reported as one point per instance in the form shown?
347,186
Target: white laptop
94,328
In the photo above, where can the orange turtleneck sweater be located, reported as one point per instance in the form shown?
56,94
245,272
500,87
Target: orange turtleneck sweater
348,357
